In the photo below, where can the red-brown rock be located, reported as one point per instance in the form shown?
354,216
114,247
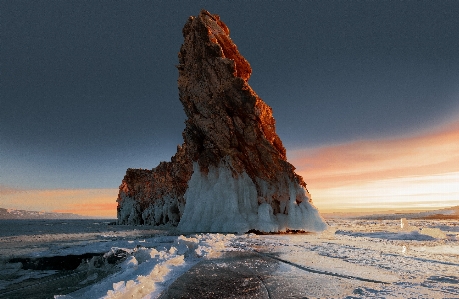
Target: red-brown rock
229,128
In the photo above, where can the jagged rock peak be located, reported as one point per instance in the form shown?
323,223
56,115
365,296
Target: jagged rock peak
209,28
231,172
225,116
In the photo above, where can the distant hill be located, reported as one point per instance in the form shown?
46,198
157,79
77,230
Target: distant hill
447,213
22,214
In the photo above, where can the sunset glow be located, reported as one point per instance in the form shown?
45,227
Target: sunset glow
86,202
420,172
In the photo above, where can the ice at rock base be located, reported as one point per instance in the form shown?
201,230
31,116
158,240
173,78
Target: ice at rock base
218,202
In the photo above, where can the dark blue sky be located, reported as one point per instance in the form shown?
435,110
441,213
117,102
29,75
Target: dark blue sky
89,88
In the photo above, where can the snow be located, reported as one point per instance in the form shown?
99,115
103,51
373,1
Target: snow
219,202
417,267
148,270
350,259
433,232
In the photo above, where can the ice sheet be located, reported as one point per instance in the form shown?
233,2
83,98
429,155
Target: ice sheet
360,258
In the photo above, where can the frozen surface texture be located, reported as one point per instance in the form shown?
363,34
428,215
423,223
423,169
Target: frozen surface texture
363,259
351,259
231,173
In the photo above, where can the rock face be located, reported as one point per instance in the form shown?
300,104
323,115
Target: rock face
231,172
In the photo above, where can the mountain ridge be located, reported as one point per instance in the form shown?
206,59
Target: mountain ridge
7,214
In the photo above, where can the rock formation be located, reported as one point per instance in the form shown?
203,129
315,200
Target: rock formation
231,172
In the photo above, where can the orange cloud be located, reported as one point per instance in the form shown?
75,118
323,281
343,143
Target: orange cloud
86,202
340,172
92,209
403,173
5,190
342,164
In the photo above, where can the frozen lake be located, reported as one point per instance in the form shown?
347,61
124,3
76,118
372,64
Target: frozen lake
352,259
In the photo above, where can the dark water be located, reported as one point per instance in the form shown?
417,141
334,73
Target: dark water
40,258
22,227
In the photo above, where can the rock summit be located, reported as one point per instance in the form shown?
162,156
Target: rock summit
231,173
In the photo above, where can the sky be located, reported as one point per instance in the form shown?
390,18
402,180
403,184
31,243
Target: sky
365,95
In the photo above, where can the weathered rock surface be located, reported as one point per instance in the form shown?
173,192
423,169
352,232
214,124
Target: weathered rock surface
231,161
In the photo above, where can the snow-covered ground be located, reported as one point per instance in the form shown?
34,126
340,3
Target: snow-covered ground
351,259
419,261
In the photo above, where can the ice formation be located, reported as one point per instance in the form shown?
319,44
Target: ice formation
404,224
229,205
231,173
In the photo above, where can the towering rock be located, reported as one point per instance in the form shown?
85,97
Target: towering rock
231,172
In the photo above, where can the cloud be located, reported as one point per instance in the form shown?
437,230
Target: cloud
415,192
105,209
404,172
5,190
87,202
413,172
